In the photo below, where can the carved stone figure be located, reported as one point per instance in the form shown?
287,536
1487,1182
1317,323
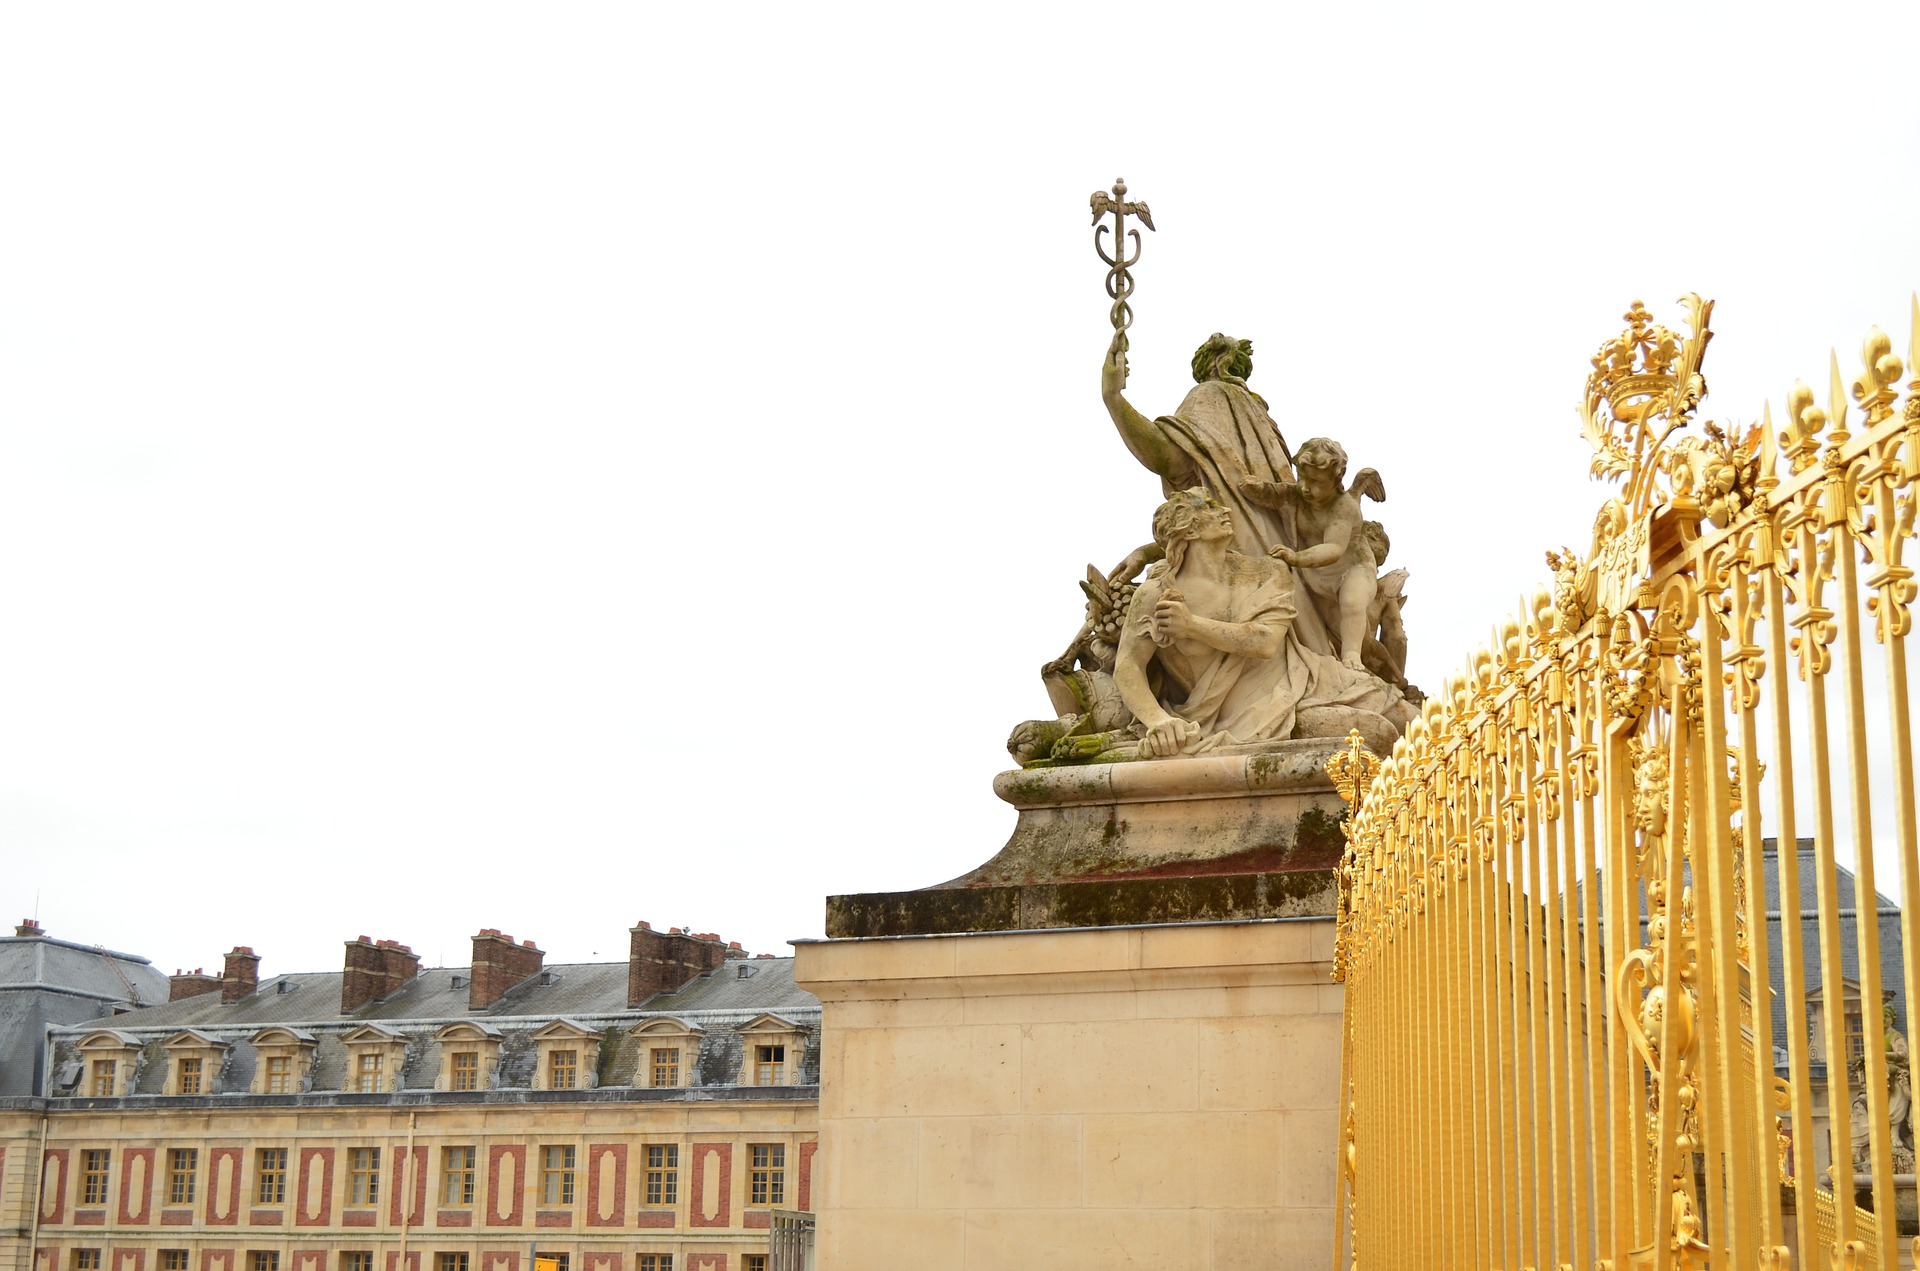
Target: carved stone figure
1206,658
1899,1102
1222,440
1335,551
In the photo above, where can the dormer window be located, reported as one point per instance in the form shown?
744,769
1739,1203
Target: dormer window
469,1052
567,1054
375,1056
466,1070
194,1060
770,1051
285,1057
666,1052
111,1058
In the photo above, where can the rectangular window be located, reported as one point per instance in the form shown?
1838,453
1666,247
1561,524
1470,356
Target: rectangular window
767,1179
280,1075
563,1070
189,1076
466,1070
264,1260
183,1163
656,1262
86,1260
94,1163
173,1260
1856,1035
456,1177
367,1073
753,1262
356,1260
769,1065
663,1173
103,1077
556,1175
449,1262
270,1186
666,1066
363,1176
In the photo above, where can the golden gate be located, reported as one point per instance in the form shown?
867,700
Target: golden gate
1559,1040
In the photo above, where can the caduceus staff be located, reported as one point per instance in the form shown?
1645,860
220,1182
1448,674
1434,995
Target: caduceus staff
1119,279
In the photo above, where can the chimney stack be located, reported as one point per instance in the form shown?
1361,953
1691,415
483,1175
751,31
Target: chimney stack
659,963
191,984
242,974
28,929
374,970
498,965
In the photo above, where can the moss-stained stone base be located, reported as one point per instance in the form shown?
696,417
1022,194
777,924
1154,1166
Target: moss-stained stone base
1105,903
1212,814
1218,838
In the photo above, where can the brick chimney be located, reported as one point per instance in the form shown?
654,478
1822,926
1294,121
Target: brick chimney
659,963
28,929
498,965
242,974
373,970
401,961
191,984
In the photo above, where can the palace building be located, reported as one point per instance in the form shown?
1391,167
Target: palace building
650,1115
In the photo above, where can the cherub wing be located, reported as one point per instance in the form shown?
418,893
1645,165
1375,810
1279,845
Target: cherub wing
1368,482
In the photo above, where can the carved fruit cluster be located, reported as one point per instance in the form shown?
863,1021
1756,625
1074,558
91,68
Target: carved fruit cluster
1107,627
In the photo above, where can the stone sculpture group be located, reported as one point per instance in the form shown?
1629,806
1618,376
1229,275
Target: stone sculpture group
1262,614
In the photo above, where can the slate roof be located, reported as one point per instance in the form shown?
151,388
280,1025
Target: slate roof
592,996
46,982
1888,916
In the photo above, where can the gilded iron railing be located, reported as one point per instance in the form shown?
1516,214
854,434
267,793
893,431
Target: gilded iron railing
1553,931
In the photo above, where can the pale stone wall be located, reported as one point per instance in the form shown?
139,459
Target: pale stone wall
1130,1096
714,1223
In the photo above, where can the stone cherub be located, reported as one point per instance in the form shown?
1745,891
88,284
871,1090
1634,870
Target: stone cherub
1336,550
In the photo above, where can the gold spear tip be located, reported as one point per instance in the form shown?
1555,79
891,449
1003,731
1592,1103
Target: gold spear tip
1913,341
1836,395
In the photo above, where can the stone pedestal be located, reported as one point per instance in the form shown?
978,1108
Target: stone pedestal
1161,1096
1116,1043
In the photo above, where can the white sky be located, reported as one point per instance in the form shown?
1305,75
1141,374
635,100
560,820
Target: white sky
542,467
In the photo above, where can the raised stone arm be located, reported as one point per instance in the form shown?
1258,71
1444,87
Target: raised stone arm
1142,436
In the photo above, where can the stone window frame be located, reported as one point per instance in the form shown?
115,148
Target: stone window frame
559,1182
468,1037
565,1034
659,1175
108,1045
294,1045
95,1177
379,1040
363,1185
768,1029
459,1176
665,1031
770,1178
181,1185
191,1043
